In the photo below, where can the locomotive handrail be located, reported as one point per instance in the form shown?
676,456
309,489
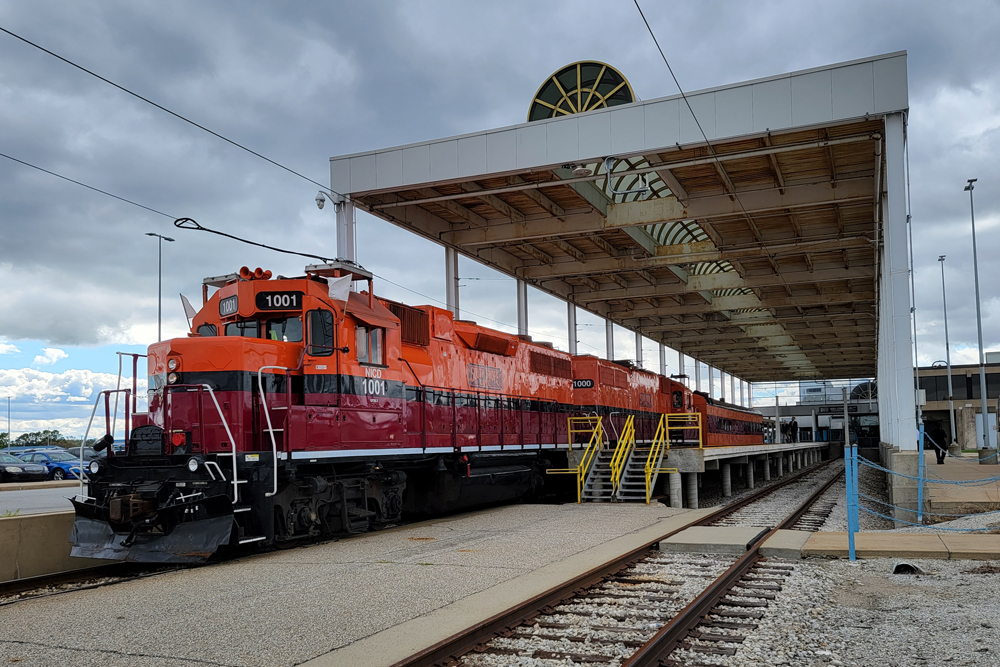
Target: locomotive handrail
107,419
625,443
270,428
661,441
232,442
595,443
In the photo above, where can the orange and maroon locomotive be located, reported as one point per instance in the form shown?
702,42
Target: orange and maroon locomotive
297,407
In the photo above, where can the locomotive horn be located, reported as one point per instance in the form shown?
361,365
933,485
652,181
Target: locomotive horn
267,275
258,273
104,442
246,273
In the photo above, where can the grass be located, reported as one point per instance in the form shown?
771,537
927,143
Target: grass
9,513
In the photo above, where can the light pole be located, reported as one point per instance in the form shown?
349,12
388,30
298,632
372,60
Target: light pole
979,318
947,354
9,443
159,282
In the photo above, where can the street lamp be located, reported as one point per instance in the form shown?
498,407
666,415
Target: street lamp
979,317
947,355
159,283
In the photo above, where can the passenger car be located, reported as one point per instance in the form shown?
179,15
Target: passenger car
59,464
13,469
89,454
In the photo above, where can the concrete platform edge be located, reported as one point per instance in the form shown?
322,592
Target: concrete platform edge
945,546
401,641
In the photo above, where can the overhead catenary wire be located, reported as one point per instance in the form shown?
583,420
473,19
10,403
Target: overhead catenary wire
165,109
89,187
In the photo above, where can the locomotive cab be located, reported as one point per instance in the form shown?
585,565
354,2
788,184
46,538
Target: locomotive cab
268,363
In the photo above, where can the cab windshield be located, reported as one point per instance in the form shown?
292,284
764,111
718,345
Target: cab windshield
287,329
246,328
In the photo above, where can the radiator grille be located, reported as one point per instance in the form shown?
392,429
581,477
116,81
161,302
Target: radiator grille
545,364
414,324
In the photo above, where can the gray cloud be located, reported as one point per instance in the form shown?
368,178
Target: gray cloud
303,81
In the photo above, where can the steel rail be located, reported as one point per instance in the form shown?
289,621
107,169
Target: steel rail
450,649
659,647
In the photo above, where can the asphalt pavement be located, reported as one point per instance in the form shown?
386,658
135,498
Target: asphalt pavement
36,501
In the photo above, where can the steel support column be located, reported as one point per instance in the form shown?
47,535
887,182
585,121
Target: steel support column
345,230
609,333
451,281
522,308
571,326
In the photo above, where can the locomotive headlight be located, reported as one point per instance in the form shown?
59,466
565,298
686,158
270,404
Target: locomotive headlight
172,364
172,378
95,465
193,464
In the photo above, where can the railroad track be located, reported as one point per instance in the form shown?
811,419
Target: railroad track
646,607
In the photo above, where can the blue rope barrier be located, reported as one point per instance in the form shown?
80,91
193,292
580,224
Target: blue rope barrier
872,464
960,516
951,530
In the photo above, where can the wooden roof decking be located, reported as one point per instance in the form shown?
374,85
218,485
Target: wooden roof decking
776,280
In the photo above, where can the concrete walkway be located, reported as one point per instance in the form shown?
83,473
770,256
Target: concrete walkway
367,600
966,498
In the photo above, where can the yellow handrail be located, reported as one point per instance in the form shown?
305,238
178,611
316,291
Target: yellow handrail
593,446
620,456
661,440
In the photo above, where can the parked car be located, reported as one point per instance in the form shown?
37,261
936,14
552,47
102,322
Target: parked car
13,469
89,454
60,464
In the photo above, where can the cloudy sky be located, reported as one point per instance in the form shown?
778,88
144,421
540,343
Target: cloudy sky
300,82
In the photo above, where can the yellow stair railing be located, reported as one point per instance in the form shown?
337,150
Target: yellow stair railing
582,425
625,444
683,421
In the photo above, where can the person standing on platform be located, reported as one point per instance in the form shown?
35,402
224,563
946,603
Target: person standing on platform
793,430
938,438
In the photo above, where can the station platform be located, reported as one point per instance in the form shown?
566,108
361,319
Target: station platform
694,459
961,499
365,600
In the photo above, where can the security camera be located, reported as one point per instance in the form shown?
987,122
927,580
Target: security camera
320,200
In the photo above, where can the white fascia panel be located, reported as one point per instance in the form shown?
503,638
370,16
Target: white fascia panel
704,110
772,105
389,169
628,134
812,98
853,91
595,135
890,85
532,145
340,175
662,120
472,155
363,173
562,141
734,111
501,151
416,165
444,160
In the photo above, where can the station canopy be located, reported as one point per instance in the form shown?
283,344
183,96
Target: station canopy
755,252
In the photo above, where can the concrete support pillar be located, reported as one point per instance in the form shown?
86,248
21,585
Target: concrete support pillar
750,474
638,349
767,468
676,490
743,398
722,386
697,375
345,230
609,333
727,480
522,308
691,489
781,464
571,325
680,368
663,360
451,281
732,388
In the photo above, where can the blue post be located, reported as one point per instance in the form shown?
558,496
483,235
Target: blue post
851,497
920,475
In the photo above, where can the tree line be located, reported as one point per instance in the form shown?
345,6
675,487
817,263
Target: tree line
47,438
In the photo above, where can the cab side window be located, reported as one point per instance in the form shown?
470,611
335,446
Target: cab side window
207,330
678,400
320,333
370,343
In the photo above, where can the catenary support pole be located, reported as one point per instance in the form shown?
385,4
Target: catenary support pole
571,326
